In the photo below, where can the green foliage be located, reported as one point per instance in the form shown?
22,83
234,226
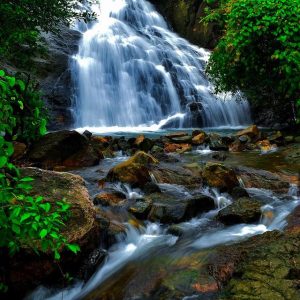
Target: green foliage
21,22
22,111
259,52
25,221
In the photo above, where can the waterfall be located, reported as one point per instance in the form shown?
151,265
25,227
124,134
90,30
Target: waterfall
132,70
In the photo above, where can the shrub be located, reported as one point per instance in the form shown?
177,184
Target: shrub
259,51
25,221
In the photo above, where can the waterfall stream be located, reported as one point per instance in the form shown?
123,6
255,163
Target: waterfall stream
132,70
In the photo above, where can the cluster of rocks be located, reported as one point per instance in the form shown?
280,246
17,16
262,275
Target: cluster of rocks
151,163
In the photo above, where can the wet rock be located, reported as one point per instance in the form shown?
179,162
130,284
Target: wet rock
87,157
92,263
199,139
219,156
218,176
87,134
254,178
143,144
177,175
55,148
19,150
109,199
294,222
289,139
168,209
276,138
176,135
141,208
237,146
264,145
151,187
182,140
250,146
134,171
239,192
252,131
218,143
244,139
178,148
244,210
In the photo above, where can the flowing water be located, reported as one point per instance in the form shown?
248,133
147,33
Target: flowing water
151,246
132,71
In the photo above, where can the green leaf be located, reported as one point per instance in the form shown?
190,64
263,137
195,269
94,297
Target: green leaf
21,105
2,73
43,233
11,81
3,161
73,247
25,217
56,255
16,229
26,179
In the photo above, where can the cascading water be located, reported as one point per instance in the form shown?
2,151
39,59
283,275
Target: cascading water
131,70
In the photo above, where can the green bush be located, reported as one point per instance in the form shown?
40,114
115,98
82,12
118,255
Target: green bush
22,110
259,52
25,221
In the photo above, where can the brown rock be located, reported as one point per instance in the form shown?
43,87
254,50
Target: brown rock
251,131
109,199
199,139
179,148
219,176
134,171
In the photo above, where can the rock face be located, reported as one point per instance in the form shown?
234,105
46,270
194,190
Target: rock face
184,16
63,148
26,270
54,75
254,178
244,210
134,171
219,176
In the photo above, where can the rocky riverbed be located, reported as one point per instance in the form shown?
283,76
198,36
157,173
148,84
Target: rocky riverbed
208,215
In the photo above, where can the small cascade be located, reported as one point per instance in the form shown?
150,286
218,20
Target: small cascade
132,71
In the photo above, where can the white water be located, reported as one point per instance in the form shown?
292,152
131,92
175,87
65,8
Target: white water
132,71
141,242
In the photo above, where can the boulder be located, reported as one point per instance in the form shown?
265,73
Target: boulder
264,145
251,131
244,210
178,148
276,138
134,171
239,192
221,177
109,199
218,143
199,139
168,209
55,148
143,144
26,270
254,178
176,175
141,208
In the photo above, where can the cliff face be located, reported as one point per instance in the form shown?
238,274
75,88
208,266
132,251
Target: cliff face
184,16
